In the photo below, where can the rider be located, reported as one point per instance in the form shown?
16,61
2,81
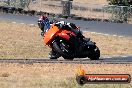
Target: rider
44,24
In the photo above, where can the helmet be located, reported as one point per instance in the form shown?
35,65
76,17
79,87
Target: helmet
42,18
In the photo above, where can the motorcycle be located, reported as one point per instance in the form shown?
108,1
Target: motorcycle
68,45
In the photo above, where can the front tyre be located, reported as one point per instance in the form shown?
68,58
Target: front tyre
64,48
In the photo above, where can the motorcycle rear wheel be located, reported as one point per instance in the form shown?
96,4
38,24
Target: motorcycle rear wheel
95,54
64,49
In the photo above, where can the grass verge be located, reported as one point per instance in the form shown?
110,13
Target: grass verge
53,76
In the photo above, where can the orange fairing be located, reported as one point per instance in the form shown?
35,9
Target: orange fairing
49,35
65,34
55,31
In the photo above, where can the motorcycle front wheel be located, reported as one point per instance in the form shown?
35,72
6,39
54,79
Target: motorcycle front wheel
64,48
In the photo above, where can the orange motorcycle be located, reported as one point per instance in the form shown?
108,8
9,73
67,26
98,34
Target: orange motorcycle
68,45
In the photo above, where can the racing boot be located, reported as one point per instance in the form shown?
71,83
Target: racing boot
53,55
42,33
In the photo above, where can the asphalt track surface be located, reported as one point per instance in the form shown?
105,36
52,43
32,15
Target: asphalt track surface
119,29
112,60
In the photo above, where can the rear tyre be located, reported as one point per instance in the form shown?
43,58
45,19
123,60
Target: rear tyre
64,48
95,54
